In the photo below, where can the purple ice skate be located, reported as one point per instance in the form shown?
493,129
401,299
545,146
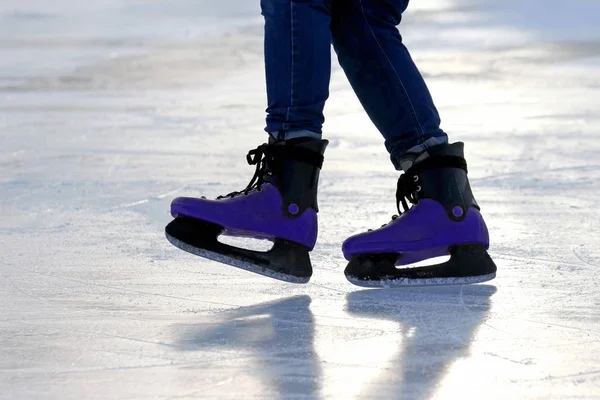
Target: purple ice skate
444,220
279,204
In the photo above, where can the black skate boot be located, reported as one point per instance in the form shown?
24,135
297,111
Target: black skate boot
444,220
279,204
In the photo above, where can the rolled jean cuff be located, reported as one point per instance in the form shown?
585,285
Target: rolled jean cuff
287,135
403,160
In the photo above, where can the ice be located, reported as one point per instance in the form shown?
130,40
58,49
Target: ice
108,110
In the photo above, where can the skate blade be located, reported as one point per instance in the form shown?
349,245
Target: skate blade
286,261
407,282
468,264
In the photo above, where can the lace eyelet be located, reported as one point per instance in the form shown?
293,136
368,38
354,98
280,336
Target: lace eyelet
416,178
418,189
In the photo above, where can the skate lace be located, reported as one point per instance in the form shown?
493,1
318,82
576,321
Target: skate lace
269,156
408,188
259,157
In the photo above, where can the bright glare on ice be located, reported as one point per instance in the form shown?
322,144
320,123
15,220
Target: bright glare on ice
110,109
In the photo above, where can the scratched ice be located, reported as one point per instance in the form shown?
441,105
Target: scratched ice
110,109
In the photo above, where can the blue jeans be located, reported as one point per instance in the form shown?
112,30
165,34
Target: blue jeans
298,34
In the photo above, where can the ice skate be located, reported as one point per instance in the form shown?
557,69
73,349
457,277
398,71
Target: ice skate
444,220
279,204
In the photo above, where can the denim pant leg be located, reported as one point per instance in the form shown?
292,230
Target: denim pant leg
298,65
383,74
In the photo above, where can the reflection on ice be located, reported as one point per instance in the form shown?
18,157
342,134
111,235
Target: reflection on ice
437,327
272,343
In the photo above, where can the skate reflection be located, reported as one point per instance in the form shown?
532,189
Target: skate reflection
438,326
270,342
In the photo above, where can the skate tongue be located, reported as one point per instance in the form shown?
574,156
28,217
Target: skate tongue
418,153
411,159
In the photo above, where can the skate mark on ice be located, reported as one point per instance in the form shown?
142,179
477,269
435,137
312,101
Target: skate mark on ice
99,334
525,361
233,306
236,356
579,256
87,312
543,171
589,373
558,377
328,288
484,321
148,199
73,309
31,296
107,369
592,332
511,257
166,296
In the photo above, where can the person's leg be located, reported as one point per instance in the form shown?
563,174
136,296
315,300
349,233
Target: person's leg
444,218
384,76
297,66
280,202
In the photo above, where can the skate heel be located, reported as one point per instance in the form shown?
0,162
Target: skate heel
469,263
286,261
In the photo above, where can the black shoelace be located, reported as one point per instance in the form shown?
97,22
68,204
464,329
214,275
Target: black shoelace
266,157
408,187
259,157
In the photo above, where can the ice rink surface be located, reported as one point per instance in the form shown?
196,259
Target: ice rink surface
109,110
